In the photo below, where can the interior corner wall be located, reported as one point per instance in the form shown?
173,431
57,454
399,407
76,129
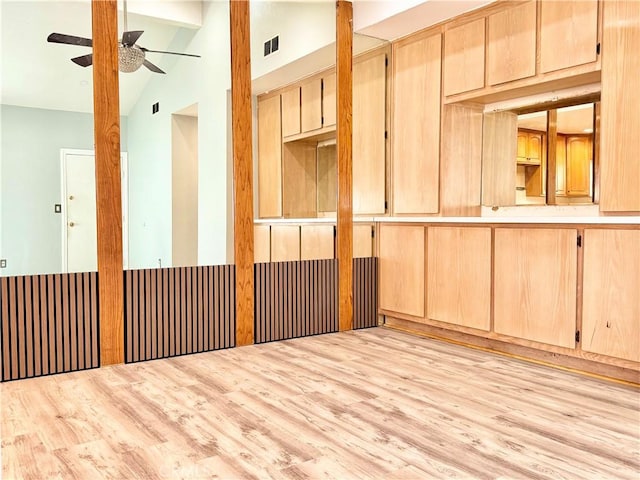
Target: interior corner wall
31,181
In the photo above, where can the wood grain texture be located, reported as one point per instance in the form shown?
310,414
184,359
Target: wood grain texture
369,143
402,269
620,120
290,111
459,276
568,33
344,143
550,166
242,169
416,126
317,242
511,49
327,179
499,131
329,406
106,118
262,243
299,180
464,62
579,160
269,158
329,101
461,160
362,241
311,101
535,284
610,301
285,243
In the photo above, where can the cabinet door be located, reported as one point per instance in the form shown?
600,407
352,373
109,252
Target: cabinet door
579,155
262,243
311,100
362,241
369,99
402,272
568,33
610,303
459,276
416,126
535,284
291,112
561,166
523,146
534,148
269,158
511,50
285,243
464,58
316,242
329,100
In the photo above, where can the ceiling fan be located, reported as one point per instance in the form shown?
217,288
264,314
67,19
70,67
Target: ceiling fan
130,55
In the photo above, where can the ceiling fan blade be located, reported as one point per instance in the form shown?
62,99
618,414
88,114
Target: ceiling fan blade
130,38
170,53
152,67
84,60
69,40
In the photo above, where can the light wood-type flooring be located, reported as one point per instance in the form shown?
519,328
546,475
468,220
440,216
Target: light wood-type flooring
373,403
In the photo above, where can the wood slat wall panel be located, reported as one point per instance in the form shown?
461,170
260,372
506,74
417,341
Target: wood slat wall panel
49,324
295,299
178,311
365,292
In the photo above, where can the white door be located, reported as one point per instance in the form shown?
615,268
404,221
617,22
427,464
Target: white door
79,235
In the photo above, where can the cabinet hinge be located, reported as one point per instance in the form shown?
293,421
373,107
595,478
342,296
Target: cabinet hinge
598,49
386,134
335,231
579,240
577,336
386,204
373,232
386,61
321,120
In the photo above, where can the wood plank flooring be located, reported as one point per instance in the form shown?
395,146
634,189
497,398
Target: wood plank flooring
363,404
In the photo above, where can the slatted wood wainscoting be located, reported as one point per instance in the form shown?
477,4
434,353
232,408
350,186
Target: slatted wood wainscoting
49,324
365,292
177,311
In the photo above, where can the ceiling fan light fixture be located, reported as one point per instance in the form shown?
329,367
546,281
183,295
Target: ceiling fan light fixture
130,58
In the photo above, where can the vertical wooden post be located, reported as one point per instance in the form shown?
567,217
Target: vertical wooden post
552,144
242,168
106,119
344,82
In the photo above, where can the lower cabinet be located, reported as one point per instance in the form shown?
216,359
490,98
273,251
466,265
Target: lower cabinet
316,242
459,276
535,284
261,243
285,243
611,293
402,272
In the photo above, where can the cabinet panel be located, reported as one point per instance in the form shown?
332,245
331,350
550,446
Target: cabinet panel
416,126
329,100
619,119
327,180
299,199
464,58
285,243
316,242
362,241
610,302
459,276
291,112
579,155
498,150
511,50
311,105
262,243
269,158
568,33
402,272
561,166
535,284
369,107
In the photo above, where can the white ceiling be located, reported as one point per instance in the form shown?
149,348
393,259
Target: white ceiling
39,74
571,120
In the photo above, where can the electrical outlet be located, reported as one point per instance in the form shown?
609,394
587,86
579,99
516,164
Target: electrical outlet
3,263
57,208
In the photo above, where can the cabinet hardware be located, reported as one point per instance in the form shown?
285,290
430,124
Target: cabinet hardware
579,240
577,336
386,61
598,49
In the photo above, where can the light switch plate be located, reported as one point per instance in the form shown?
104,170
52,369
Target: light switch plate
57,208
3,263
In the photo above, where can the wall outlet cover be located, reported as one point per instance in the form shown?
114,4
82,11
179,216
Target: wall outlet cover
3,263
57,208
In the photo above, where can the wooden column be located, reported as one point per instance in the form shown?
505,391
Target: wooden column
106,118
344,57
242,169
552,144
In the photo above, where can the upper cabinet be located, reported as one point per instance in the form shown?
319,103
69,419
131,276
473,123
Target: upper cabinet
311,109
269,157
511,51
464,58
291,111
329,100
568,33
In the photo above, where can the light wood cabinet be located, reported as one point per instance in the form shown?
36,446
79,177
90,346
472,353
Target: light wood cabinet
568,33
329,100
579,158
535,284
299,170
261,243
561,166
416,126
459,276
327,180
362,241
316,242
619,118
369,144
311,105
285,243
402,274
610,301
511,50
464,58
530,145
269,158
291,112
499,148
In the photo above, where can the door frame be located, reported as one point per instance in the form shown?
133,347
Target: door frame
124,178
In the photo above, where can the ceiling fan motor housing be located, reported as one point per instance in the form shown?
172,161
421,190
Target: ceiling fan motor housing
130,58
